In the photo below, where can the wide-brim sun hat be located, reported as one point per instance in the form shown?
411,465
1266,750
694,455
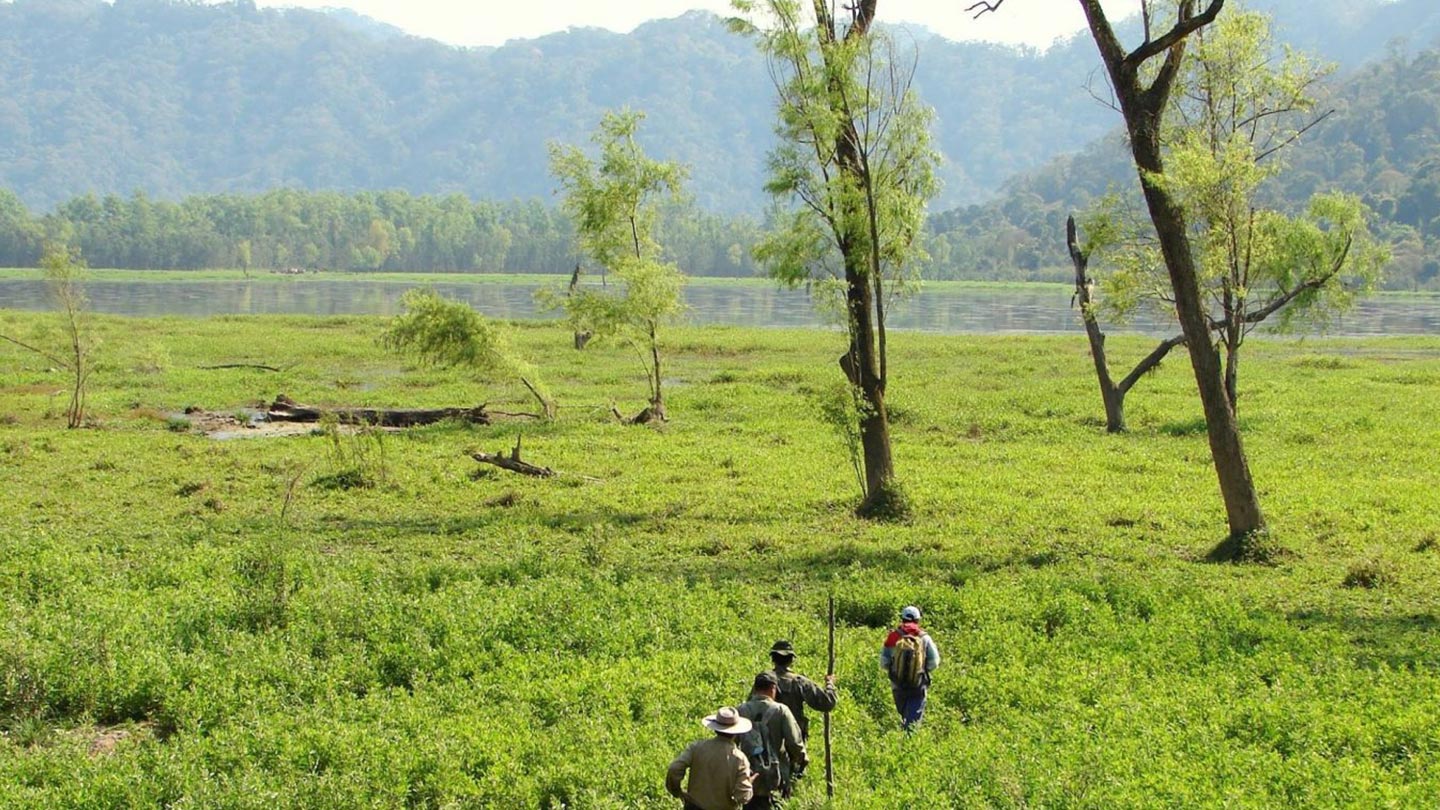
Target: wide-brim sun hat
726,721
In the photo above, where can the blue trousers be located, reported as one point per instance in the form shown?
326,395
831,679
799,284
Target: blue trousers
910,703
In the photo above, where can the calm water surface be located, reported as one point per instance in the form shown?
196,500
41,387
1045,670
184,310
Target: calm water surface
948,309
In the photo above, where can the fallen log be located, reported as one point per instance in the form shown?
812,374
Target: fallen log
512,462
258,366
644,417
285,409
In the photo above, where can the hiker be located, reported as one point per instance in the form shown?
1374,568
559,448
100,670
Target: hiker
796,690
774,747
908,657
719,773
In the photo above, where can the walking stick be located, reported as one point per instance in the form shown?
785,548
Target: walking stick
829,766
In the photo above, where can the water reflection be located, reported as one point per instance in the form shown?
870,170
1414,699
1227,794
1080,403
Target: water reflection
949,309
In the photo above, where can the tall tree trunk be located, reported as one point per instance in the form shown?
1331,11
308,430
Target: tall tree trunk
1232,371
1113,397
1143,108
582,337
864,364
862,367
1242,503
1112,394
657,398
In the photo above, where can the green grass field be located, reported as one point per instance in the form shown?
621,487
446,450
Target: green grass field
458,636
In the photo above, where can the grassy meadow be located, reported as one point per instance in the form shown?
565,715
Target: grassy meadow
200,623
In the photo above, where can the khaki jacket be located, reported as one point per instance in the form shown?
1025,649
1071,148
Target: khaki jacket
719,775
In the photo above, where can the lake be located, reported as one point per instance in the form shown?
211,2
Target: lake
939,308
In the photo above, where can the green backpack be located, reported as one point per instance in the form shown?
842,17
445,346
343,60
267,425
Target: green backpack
907,661
764,763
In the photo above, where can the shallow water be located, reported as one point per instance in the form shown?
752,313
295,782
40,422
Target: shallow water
936,309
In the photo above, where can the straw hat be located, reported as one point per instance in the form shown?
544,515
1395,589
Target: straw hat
726,721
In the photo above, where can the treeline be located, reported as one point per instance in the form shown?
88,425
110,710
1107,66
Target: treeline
364,232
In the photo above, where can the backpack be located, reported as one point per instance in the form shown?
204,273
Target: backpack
764,764
907,660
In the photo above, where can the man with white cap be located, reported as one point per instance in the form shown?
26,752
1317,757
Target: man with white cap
908,657
719,772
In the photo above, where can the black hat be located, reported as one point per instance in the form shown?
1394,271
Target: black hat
765,680
783,647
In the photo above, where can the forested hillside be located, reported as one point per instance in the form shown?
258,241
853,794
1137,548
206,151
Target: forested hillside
1382,142
174,99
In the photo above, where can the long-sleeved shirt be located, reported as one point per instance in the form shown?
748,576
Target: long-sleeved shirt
932,652
719,775
782,734
797,691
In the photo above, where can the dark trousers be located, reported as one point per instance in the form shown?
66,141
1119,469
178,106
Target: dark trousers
770,801
910,703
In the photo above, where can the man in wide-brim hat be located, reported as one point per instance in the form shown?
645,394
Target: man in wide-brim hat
719,772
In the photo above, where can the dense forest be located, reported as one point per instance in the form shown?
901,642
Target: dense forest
152,133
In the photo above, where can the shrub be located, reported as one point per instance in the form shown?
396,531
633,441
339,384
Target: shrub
1372,573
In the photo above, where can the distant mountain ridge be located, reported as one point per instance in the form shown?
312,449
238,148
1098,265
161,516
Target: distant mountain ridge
176,98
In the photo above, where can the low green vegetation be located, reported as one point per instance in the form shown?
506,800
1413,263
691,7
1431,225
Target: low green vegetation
373,620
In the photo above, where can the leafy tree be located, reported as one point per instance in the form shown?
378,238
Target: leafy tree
614,203
20,235
449,333
1143,80
855,154
1237,110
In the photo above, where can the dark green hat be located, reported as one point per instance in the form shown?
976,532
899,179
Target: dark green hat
783,647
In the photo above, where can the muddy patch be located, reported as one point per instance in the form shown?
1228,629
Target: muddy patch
241,423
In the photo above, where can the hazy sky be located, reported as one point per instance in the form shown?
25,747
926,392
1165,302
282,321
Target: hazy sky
467,22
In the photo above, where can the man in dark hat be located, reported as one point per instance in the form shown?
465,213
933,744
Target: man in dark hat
776,752
797,691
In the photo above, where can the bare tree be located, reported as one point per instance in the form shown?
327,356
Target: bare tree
65,272
1111,392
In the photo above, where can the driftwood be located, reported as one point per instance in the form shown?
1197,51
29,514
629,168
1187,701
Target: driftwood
259,366
513,462
644,417
285,409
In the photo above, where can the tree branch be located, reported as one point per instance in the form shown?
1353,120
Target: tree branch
48,356
1149,363
1313,284
1186,26
985,7
1294,137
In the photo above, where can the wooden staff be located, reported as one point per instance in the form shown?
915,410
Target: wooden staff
829,766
